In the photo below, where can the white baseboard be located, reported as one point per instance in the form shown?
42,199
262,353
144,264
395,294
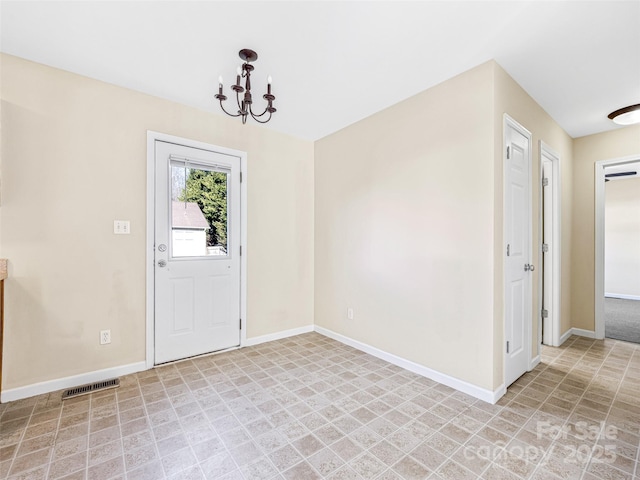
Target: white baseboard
534,362
465,387
576,331
565,336
99,375
583,333
69,382
623,296
49,386
277,336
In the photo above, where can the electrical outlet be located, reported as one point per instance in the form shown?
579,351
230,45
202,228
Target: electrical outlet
105,337
350,313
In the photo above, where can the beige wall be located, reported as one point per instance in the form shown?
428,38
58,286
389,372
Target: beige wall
513,100
622,237
404,229
587,151
74,160
409,224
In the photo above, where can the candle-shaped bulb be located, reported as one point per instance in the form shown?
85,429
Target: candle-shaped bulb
239,73
220,80
269,85
220,85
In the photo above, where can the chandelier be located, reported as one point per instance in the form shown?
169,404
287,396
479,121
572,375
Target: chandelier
245,102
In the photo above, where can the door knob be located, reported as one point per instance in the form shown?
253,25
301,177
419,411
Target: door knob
528,267
162,263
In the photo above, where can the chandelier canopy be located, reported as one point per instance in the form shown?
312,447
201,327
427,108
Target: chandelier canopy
245,102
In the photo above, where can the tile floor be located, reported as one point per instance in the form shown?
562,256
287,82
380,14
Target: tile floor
309,407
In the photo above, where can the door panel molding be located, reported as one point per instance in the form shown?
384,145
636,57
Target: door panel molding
152,137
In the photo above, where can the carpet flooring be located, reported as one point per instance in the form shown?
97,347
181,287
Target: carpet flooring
622,319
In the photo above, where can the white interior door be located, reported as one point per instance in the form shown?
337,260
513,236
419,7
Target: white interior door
548,250
197,251
518,290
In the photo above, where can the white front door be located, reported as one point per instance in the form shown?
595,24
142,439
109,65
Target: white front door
518,293
197,251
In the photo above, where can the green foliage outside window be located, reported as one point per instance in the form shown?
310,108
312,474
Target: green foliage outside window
209,190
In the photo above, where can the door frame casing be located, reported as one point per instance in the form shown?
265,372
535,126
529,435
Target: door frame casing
152,137
556,271
508,121
599,166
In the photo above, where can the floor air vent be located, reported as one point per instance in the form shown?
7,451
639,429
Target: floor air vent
90,388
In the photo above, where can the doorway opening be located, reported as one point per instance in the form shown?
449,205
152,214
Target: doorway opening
622,252
602,168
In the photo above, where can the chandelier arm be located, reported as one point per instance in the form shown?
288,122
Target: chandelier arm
256,117
225,111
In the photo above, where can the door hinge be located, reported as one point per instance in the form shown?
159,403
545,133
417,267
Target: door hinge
240,250
545,247
545,182
240,324
508,249
507,346
545,313
508,152
240,177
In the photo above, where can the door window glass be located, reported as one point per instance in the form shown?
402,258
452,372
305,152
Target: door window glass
199,205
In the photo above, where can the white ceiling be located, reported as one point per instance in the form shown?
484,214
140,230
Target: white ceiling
334,63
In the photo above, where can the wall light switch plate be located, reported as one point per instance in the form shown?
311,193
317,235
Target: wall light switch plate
121,227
